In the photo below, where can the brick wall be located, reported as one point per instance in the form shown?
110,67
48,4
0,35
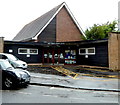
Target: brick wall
66,30
114,51
1,44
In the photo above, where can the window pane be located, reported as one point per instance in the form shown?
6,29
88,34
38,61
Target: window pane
33,51
23,51
82,51
91,51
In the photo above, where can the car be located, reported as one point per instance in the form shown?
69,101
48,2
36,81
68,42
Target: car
14,61
12,77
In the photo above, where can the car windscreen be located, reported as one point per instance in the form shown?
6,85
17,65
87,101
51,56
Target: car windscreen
5,65
12,57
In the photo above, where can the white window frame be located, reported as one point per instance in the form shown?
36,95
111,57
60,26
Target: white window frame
86,51
28,51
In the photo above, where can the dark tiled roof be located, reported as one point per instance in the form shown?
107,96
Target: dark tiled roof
30,30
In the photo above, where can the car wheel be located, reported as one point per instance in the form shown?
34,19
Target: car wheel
8,82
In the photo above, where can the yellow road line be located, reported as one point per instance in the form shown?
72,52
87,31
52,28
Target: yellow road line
75,75
94,69
66,71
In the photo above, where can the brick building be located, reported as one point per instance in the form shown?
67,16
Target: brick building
56,38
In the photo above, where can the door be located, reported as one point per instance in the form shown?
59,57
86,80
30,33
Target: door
53,56
47,56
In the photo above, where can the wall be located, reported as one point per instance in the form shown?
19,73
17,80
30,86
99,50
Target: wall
32,59
66,30
49,33
1,44
114,51
99,59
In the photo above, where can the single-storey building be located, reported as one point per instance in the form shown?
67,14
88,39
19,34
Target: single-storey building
68,53
56,38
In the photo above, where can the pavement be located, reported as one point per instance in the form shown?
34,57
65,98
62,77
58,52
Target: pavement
80,82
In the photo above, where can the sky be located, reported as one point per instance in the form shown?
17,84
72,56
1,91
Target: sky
15,14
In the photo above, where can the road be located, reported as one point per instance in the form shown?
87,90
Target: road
79,82
42,94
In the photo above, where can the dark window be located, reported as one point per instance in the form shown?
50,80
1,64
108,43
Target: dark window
4,57
87,51
33,51
82,51
27,51
22,51
0,67
91,51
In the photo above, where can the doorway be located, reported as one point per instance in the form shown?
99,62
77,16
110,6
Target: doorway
53,56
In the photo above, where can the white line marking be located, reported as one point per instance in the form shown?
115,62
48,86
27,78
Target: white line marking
77,98
61,89
24,93
50,95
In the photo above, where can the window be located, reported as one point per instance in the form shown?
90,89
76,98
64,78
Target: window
70,57
82,51
3,57
22,51
0,67
33,51
91,50
87,51
27,51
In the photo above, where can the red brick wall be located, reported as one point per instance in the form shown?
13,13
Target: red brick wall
66,29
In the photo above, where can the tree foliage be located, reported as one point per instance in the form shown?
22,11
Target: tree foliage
100,31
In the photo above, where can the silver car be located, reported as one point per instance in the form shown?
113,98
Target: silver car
14,61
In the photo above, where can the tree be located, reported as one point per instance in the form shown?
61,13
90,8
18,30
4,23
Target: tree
100,31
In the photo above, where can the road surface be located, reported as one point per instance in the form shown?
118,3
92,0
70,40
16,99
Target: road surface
42,94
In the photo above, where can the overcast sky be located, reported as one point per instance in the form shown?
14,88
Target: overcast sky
14,14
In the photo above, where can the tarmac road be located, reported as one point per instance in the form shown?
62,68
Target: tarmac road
80,81
50,94
42,94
